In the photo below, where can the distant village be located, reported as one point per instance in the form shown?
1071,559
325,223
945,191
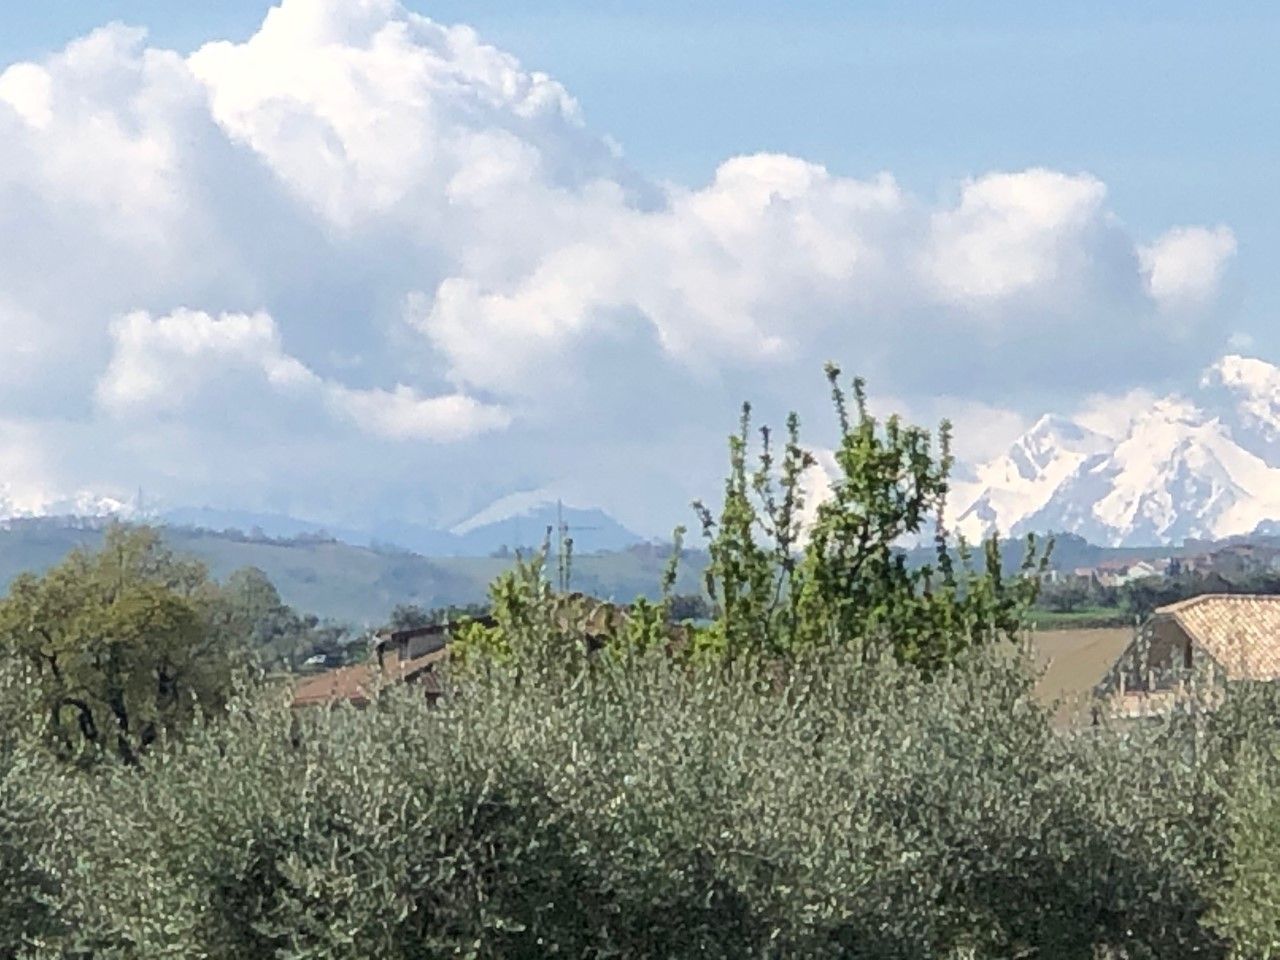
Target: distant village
1231,561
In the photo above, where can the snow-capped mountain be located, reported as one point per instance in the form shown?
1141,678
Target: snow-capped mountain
1204,465
83,503
514,521
521,519
1022,481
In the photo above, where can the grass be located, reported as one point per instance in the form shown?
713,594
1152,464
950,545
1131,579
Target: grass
1086,617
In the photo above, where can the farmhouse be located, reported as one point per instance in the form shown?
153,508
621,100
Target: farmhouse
1116,573
415,656
359,683
1215,638
397,656
411,644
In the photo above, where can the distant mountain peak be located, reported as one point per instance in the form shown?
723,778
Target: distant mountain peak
82,503
522,503
1203,465
522,518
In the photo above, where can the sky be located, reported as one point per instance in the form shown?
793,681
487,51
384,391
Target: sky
356,260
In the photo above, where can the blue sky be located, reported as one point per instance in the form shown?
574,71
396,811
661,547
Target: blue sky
1121,123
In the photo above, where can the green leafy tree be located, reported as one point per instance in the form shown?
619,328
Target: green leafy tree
279,636
409,616
125,644
542,633
1066,596
777,587
254,609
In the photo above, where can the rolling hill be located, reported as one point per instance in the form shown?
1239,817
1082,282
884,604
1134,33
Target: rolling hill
357,584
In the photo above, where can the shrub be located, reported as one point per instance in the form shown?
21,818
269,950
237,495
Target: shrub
1248,910
29,811
642,809
779,585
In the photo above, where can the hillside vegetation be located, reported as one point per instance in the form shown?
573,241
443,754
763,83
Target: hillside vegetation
339,581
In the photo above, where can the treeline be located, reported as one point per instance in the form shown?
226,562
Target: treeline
846,759
1136,599
258,535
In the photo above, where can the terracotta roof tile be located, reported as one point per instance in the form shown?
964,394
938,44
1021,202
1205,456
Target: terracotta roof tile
1241,632
356,683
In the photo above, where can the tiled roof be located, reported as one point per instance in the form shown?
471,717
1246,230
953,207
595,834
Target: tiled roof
1241,632
355,683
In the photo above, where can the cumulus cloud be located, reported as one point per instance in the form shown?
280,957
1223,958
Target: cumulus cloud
1185,266
1012,232
401,414
360,244
163,364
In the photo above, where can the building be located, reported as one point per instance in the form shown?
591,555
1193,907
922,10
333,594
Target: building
1116,573
1207,641
417,641
400,656
359,683
416,655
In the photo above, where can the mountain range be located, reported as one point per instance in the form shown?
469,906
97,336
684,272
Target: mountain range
1203,464
516,521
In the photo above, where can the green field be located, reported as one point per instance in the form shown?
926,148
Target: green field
1085,618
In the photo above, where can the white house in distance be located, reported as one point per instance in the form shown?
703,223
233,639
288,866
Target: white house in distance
1116,573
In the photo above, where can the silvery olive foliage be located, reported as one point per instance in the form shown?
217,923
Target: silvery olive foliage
1248,909
640,808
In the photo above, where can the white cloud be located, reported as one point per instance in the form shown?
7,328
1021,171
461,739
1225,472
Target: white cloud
27,477
164,363
323,252
401,414
161,363
1185,266
360,107
27,89
1012,232
1113,414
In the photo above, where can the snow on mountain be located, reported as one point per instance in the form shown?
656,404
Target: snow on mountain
512,507
83,503
522,519
1022,481
1203,465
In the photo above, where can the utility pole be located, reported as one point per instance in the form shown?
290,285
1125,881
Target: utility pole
564,547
